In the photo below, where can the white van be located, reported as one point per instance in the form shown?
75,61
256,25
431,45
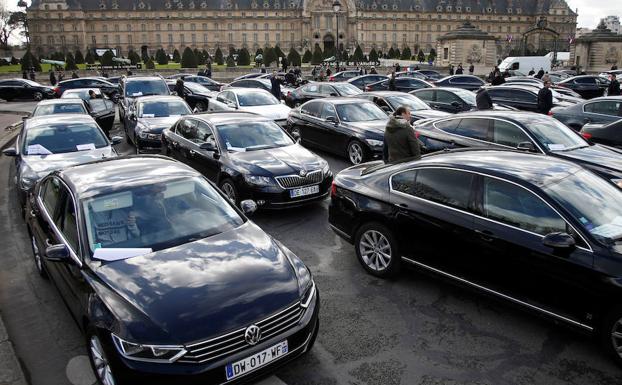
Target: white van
525,64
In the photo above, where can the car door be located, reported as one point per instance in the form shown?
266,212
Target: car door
511,224
333,136
525,100
447,101
327,90
187,134
587,87
602,111
429,97
207,161
508,134
307,125
502,95
41,218
433,217
172,139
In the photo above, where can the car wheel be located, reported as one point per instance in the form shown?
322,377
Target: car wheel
37,256
376,249
99,360
357,152
38,96
228,187
611,334
200,106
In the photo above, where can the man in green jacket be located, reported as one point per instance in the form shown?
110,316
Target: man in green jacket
400,141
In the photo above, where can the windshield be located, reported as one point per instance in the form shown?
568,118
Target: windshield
146,87
51,109
412,102
30,82
347,89
250,99
359,112
161,109
157,216
81,94
250,136
593,201
197,88
554,135
56,138
467,96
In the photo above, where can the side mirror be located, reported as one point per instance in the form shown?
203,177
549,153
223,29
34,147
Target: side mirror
331,119
174,93
208,146
116,140
333,94
195,110
11,151
526,146
559,240
57,253
248,207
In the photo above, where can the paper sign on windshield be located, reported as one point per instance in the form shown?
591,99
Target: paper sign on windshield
37,149
556,147
117,254
85,147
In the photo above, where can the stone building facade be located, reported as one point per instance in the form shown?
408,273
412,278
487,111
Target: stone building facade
598,50
66,25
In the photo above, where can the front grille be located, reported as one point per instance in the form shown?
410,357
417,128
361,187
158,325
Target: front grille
233,342
154,136
291,181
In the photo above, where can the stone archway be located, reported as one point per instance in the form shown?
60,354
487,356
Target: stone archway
329,42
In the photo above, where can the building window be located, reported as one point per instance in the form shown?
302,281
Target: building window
129,27
181,26
93,39
329,21
129,39
384,37
105,40
63,42
291,38
193,37
76,40
229,26
169,27
51,40
316,21
278,38
182,38
157,27
204,38
170,38
265,26
143,27
158,38
438,28
244,38
255,38
266,37
230,38
105,28
193,27
116,27
384,27
204,26
243,26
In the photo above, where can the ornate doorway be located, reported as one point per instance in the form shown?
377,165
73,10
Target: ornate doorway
329,43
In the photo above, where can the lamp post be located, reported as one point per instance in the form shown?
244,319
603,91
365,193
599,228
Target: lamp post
337,8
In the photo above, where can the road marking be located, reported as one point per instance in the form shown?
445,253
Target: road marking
79,372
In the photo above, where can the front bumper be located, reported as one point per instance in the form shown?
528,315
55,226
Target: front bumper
148,145
300,339
276,197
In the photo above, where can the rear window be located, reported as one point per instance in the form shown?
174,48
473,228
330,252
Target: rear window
134,88
448,187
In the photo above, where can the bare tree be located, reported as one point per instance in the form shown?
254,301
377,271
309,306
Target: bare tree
10,21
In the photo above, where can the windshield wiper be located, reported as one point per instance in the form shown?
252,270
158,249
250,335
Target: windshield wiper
260,147
575,147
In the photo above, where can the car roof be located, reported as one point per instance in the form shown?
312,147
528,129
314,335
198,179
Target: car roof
60,101
519,86
139,77
108,174
241,90
515,116
454,76
77,90
579,77
150,98
44,120
540,170
343,100
224,117
450,89
84,78
365,76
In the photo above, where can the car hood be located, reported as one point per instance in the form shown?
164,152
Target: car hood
156,125
278,161
376,126
597,156
206,288
275,111
44,164
429,114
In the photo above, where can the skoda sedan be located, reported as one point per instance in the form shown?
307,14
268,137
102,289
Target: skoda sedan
541,233
170,283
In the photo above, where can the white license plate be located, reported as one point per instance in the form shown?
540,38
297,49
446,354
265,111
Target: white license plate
300,192
255,361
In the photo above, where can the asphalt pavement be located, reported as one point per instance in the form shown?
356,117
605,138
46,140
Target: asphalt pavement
415,329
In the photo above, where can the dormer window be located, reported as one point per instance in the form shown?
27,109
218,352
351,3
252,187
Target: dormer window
167,5
468,9
266,5
489,10
191,5
458,9
417,8
115,5
374,6
449,8
204,5
277,5
102,5
141,5
439,8
519,11
509,10
395,7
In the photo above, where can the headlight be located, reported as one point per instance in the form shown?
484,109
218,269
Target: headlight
259,180
617,182
308,295
306,285
374,142
149,353
326,169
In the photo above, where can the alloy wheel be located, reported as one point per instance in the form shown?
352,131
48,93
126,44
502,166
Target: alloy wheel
616,337
355,153
38,96
103,371
375,250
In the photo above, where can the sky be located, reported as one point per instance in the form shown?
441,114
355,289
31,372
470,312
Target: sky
591,11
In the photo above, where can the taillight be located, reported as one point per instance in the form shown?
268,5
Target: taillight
417,133
586,135
331,79
333,190
367,88
550,113
57,91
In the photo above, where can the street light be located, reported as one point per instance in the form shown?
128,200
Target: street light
337,8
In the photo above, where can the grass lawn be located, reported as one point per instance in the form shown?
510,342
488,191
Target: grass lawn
170,66
18,68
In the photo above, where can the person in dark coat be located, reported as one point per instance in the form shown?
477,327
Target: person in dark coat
614,67
540,73
545,98
497,78
32,74
392,82
373,71
460,70
400,141
614,86
451,70
532,72
179,88
471,69
483,100
24,74
52,78
275,88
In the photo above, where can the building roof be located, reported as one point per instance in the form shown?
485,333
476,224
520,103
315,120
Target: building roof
467,32
527,7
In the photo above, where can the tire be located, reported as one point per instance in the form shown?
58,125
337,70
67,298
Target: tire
201,106
100,363
36,255
377,250
611,334
356,152
38,96
228,188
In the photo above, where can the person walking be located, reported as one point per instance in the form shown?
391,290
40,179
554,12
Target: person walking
614,86
275,84
545,98
451,70
32,74
373,70
460,70
392,82
400,141
24,74
540,73
179,88
532,72
471,69
483,100
52,78
497,78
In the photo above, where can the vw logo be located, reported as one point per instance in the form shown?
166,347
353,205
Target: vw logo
303,173
252,335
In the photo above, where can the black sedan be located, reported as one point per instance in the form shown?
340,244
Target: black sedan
349,127
197,96
445,99
206,82
588,86
466,82
107,88
597,111
430,75
363,80
411,74
523,97
541,233
320,90
343,76
102,116
148,116
249,157
11,89
100,107
51,142
526,131
608,134
169,282
389,101
402,84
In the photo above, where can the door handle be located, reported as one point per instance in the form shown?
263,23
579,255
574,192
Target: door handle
193,153
486,235
32,213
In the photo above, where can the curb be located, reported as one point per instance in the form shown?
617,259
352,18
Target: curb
11,372
6,140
